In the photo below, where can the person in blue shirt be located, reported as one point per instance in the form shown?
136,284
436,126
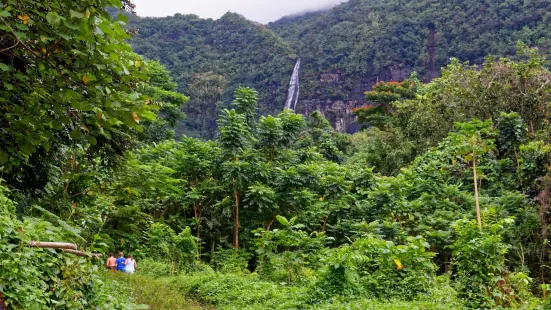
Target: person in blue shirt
120,262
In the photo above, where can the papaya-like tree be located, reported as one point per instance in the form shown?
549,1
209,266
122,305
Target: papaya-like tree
245,102
197,163
235,137
472,141
270,136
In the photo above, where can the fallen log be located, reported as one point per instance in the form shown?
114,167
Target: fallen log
54,245
81,253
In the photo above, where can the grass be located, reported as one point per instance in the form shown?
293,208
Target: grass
157,294
248,292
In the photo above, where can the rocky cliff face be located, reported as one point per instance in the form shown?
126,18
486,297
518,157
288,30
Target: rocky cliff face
338,112
338,109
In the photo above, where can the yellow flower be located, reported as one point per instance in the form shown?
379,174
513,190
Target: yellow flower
398,264
24,19
135,117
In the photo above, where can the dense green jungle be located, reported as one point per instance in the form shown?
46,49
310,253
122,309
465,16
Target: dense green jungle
167,139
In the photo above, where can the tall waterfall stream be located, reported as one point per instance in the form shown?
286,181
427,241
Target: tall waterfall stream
294,87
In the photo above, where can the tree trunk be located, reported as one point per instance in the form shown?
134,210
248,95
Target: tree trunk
236,217
324,223
70,248
269,225
478,218
212,247
196,213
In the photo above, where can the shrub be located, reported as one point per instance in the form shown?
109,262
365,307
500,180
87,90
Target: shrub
288,254
178,251
151,293
231,291
482,279
439,297
374,267
231,261
155,268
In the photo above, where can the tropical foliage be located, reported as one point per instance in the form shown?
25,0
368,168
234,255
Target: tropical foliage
442,202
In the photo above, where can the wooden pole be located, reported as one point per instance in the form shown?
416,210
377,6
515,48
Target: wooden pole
81,253
70,248
478,217
54,245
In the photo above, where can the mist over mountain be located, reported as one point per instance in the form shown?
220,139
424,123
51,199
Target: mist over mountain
262,11
308,12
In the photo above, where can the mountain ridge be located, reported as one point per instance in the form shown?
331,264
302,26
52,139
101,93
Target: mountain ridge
344,50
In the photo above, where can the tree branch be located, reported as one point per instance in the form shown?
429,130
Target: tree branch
9,48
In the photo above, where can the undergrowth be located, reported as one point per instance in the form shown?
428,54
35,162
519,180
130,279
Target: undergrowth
153,293
238,291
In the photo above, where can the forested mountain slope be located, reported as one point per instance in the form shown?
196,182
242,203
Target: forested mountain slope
210,58
369,37
344,51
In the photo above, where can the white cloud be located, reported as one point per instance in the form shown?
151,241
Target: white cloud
263,11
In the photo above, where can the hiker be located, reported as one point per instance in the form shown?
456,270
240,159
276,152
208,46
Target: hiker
111,263
130,265
120,262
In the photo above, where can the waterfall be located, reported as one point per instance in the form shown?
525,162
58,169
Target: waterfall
294,88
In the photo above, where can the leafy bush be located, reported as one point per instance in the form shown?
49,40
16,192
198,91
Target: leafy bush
534,156
440,297
155,268
158,269
231,260
145,291
179,251
376,268
483,279
288,254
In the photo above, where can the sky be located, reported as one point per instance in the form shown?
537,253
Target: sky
262,11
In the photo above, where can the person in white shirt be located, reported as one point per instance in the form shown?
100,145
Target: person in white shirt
130,265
